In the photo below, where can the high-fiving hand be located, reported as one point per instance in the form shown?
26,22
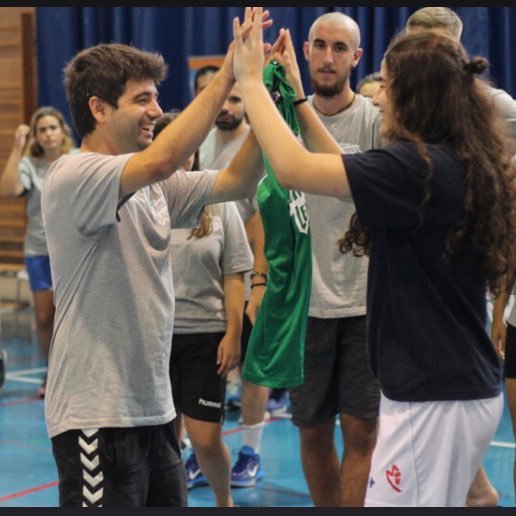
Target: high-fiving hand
253,15
249,55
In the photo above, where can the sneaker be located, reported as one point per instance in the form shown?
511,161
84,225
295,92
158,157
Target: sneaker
233,390
247,469
3,362
279,407
194,476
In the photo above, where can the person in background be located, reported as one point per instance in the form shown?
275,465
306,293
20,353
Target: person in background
369,85
338,380
36,147
202,77
209,265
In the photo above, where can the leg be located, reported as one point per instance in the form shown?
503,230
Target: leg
314,408
321,464
213,457
510,381
511,396
359,436
44,314
359,399
248,469
482,493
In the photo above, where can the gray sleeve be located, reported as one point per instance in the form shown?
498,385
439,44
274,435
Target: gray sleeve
506,106
186,194
25,172
93,187
237,255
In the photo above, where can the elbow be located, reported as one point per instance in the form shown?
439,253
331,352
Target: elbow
285,174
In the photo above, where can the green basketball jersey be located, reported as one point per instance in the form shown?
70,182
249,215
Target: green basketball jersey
275,353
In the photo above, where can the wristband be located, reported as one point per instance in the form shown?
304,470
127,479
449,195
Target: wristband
261,274
300,101
258,285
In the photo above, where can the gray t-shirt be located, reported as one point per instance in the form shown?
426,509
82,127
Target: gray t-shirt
113,291
200,265
339,281
32,172
506,106
214,155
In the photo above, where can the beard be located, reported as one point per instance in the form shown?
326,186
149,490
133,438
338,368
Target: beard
228,123
328,90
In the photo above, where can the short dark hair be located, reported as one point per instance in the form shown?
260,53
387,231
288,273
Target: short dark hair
104,71
204,70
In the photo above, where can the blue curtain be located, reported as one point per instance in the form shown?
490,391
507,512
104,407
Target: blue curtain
180,32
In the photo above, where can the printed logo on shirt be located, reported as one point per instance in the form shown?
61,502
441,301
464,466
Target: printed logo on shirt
298,211
394,477
371,482
206,403
349,148
160,211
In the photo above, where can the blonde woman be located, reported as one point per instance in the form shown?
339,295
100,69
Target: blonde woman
35,147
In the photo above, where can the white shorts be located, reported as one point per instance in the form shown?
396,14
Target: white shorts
428,453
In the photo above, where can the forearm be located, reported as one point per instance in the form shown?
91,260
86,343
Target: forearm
179,140
256,237
234,294
240,178
294,166
10,184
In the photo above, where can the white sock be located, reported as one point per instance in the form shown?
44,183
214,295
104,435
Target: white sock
252,435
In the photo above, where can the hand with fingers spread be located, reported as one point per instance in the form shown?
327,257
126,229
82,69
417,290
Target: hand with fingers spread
249,56
283,52
252,15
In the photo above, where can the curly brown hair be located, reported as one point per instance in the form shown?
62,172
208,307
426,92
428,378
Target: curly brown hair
438,97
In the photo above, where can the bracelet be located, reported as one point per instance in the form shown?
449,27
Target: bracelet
300,101
261,274
258,285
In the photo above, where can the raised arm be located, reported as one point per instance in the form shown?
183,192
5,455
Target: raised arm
183,136
10,184
294,166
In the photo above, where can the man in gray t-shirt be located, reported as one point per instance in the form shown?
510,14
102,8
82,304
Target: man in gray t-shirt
108,211
338,378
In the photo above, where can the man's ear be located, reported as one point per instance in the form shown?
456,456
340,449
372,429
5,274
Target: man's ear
98,108
356,57
306,50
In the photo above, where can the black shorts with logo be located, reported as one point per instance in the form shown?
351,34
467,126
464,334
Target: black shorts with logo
198,390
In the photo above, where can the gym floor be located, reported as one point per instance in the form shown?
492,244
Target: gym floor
28,476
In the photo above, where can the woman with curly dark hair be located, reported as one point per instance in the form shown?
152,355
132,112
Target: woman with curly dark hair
436,213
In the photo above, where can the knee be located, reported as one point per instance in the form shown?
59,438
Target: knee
359,434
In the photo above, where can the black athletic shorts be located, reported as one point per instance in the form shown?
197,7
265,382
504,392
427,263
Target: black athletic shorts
198,390
120,467
338,377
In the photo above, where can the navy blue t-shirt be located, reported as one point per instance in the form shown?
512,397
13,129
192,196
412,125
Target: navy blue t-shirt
426,318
